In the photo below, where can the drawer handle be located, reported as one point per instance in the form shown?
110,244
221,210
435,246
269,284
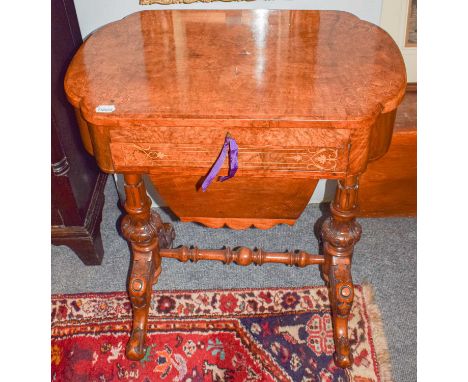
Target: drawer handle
231,145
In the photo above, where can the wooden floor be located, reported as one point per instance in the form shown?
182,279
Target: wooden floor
388,187
406,114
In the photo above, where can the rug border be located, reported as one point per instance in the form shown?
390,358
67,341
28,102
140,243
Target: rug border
377,333
370,309
181,291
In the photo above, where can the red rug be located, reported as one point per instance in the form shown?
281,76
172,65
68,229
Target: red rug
216,335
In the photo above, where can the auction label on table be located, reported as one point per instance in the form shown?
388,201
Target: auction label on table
105,109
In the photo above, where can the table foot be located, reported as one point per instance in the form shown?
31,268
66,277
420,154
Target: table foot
341,292
145,269
136,348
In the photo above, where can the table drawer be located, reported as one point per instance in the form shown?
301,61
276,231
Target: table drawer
267,149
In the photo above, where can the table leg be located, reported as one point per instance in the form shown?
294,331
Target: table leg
340,232
146,234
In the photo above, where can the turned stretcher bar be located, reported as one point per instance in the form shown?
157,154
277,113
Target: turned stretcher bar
242,256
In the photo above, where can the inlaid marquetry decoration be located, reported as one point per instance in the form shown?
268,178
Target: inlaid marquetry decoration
314,159
168,2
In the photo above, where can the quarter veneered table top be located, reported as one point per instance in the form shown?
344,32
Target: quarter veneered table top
245,65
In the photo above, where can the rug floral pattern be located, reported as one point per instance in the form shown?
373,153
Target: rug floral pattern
217,335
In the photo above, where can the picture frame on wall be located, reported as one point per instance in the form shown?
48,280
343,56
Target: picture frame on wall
411,24
169,2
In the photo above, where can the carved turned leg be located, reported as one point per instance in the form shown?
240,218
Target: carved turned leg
340,232
146,234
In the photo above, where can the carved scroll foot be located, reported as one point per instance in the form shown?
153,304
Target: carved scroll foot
136,348
341,292
145,267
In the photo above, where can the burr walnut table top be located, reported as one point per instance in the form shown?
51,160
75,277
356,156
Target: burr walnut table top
306,95
237,65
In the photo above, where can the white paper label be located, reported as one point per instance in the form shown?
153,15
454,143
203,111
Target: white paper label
105,109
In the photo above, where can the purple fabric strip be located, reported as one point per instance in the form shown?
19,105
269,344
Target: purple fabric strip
231,145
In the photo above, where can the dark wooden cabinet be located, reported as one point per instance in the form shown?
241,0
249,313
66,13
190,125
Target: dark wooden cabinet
77,183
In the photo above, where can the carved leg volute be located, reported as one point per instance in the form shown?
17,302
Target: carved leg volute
142,276
145,232
340,232
165,231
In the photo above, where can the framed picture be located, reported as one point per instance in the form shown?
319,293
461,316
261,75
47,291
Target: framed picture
398,18
167,2
411,25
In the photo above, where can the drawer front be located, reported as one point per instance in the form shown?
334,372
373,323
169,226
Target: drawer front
274,149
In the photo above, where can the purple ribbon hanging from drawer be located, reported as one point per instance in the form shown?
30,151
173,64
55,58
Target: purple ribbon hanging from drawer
231,146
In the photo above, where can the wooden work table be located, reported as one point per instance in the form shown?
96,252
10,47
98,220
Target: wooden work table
306,95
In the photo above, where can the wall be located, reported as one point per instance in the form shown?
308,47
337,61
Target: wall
93,14
393,19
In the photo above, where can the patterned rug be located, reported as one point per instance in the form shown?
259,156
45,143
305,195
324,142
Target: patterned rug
216,335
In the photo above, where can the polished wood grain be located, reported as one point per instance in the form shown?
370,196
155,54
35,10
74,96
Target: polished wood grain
274,65
235,68
239,203
310,151
306,94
